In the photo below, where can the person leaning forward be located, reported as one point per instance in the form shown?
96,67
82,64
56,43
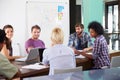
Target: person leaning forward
7,69
80,40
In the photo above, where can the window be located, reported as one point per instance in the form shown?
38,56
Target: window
111,16
111,24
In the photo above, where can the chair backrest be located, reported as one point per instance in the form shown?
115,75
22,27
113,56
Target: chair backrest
115,61
62,62
59,71
16,49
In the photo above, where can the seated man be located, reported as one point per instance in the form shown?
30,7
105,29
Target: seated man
80,40
6,68
34,42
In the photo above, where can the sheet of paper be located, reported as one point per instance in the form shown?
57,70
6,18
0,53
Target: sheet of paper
80,56
89,52
34,66
80,50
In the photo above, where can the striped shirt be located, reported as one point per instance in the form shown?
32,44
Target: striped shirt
100,52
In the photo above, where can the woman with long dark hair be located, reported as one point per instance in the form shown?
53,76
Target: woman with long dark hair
7,48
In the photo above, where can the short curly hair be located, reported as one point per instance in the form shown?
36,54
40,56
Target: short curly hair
97,27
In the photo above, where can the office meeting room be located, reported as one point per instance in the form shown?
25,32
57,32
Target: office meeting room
59,40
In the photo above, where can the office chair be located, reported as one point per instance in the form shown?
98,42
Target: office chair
62,62
67,70
115,61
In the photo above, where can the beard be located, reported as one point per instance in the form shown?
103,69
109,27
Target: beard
79,33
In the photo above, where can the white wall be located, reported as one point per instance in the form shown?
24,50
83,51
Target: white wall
13,12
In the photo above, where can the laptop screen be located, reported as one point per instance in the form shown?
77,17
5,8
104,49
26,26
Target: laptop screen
33,54
32,57
41,53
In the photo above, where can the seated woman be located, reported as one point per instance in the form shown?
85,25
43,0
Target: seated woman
100,55
55,55
7,69
7,47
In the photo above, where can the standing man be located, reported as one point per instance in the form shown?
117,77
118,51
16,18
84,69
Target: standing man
80,40
34,41
7,69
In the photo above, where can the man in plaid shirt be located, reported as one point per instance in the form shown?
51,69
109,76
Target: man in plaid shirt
80,40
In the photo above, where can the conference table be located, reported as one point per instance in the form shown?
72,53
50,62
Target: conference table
32,72
99,74
88,63
84,62
29,72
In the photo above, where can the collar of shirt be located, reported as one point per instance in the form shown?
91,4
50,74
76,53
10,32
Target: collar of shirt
82,34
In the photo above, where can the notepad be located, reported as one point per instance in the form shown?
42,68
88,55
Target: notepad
35,66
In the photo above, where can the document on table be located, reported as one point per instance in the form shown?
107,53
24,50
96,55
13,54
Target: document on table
86,52
81,56
34,66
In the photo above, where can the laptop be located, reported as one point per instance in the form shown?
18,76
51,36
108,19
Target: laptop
32,57
41,53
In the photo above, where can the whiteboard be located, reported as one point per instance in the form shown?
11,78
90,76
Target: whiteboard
48,14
